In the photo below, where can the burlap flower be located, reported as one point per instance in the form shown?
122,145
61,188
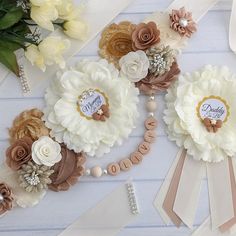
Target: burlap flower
6,198
145,35
116,41
28,124
19,153
182,22
67,171
152,84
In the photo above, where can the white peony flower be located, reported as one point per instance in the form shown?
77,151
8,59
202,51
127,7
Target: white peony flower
183,121
46,152
75,29
52,49
33,54
44,15
134,65
70,121
168,36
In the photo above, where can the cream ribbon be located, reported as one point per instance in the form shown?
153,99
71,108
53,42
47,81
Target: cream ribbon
108,217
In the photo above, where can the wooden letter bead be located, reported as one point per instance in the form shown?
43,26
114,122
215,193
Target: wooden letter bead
144,148
150,123
136,158
150,136
113,169
125,164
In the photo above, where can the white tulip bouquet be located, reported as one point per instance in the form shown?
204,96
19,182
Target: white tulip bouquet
21,22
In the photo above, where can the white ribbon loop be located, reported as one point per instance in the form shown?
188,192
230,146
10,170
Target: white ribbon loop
232,28
220,193
189,189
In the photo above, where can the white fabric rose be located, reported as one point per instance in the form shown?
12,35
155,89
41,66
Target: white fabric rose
44,15
52,49
35,57
184,125
134,66
49,51
75,29
46,152
67,10
67,124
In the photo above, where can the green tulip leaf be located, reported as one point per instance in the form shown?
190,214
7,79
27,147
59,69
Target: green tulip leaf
8,58
10,18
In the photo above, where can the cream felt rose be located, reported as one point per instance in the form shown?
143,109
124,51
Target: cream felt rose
134,66
211,92
46,152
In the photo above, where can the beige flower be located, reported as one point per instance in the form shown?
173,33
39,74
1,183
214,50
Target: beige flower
19,153
6,198
28,124
145,35
116,41
34,178
182,22
67,171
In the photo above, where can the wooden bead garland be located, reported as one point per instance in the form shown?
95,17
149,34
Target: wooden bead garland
137,156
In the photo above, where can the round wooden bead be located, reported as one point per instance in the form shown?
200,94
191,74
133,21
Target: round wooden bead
136,157
144,148
113,169
96,171
125,164
150,136
151,106
150,123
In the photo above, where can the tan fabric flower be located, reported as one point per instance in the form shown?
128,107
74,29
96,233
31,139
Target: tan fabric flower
19,153
29,124
6,198
116,41
182,22
67,171
212,126
152,84
102,113
145,35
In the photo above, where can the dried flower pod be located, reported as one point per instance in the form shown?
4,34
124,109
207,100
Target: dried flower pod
34,178
6,198
161,59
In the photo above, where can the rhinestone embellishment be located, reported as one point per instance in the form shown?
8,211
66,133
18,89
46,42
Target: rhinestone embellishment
132,199
32,180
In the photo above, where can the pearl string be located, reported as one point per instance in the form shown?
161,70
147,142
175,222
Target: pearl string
136,157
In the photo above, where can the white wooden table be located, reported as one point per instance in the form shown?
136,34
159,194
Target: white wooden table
58,210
